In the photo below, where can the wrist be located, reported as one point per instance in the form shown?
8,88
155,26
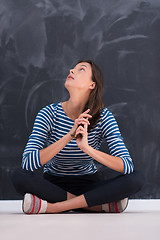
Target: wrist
72,132
69,137
86,148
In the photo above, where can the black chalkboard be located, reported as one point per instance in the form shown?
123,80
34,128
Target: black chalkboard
40,40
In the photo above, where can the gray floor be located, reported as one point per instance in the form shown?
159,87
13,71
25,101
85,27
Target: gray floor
141,220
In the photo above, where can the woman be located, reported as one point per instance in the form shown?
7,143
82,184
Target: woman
65,140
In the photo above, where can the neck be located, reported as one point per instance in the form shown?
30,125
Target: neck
74,107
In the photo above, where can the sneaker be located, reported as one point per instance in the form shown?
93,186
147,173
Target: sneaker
115,207
33,205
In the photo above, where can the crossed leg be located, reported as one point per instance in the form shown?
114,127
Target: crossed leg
72,202
59,200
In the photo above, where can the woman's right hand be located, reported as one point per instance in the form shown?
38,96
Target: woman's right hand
83,118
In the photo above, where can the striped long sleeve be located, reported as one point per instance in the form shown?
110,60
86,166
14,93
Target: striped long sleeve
37,140
112,135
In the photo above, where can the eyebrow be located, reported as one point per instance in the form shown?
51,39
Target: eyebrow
84,65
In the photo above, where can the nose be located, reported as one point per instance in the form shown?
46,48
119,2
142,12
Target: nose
71,71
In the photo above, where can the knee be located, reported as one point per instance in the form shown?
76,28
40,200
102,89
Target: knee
137,180
140,179
18,178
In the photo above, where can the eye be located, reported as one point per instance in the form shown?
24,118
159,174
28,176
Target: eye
81,69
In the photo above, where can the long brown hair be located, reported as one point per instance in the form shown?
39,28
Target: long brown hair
94,103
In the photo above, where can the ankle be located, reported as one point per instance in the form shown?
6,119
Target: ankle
70,196
53,208
97,208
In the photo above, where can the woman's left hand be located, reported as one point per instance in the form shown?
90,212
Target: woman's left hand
82,141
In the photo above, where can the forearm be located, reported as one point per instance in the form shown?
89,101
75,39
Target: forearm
46,154
115,163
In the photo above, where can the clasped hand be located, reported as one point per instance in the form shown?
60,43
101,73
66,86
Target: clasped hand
80,129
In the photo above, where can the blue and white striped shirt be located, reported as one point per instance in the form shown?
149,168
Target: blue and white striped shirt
52,123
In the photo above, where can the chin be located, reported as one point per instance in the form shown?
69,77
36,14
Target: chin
68,83
67,86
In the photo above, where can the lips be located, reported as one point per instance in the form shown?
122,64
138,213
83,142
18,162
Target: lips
69,76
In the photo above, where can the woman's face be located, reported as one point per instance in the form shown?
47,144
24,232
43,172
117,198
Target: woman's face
80,77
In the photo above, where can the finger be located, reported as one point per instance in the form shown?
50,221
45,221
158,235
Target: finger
86,127
80,131
78,120
83,128
85,115
82,121
80,128
86,111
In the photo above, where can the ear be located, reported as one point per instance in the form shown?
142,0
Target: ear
92,85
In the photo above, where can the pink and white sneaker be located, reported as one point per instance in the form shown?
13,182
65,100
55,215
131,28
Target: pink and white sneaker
115,207
33,205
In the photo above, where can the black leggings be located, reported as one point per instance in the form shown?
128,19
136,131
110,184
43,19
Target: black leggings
54,188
